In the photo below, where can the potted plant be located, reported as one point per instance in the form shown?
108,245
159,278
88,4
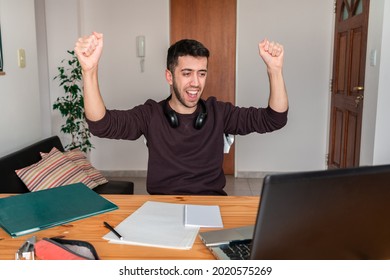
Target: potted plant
71,104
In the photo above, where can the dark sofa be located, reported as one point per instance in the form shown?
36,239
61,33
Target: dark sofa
11,183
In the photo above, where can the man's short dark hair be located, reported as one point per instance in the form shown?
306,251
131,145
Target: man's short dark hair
182,48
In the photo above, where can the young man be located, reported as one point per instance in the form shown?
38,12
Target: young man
184,133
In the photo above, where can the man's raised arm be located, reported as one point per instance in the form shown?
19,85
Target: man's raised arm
272,54
88,51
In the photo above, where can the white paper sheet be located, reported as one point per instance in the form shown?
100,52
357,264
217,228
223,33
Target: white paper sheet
156,224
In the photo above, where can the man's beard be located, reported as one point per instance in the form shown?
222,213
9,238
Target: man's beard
178,96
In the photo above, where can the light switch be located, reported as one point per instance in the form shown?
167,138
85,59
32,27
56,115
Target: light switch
21,58
373,57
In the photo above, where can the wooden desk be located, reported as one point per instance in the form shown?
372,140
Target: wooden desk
235,211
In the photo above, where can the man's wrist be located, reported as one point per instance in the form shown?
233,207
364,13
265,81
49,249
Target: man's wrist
275,71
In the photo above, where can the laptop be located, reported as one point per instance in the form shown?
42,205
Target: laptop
316,215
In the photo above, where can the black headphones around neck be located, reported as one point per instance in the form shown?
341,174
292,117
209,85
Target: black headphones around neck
174,120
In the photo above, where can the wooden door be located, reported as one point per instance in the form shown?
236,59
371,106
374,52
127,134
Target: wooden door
350,45
214,24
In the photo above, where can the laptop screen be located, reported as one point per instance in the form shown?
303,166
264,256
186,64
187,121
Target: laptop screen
329,214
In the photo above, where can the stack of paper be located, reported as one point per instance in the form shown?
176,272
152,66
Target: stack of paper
165,225
156,224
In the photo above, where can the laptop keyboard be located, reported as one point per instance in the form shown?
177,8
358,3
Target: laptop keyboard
237,250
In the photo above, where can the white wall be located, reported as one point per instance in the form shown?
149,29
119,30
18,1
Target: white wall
376,115
382,133
20,122
307,38
43,71
61,32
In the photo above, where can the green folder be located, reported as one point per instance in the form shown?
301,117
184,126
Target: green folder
30,212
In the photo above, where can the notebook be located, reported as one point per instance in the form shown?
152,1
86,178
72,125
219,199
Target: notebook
319,215
202,216
30,212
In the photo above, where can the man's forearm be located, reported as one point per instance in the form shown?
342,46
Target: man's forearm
278,99
93,101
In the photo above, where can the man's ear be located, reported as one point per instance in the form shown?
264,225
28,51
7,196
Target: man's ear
169,77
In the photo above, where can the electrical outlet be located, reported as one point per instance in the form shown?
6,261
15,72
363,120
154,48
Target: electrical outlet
21,58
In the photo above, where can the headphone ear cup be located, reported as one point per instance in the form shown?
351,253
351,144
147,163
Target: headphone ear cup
171,116
172,119
200,120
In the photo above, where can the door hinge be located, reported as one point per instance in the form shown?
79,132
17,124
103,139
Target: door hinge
331,86
334,6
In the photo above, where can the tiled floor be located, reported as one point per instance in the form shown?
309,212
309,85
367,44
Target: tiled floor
234,186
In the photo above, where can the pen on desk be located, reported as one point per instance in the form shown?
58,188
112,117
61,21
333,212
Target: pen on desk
113,230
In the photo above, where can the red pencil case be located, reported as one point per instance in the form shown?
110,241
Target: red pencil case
64,249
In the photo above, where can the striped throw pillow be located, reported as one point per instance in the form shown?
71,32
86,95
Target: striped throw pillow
79,158
54,170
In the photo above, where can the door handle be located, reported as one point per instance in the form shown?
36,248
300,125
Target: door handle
358,88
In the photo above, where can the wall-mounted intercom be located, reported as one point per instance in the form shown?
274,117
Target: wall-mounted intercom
141,51
141,46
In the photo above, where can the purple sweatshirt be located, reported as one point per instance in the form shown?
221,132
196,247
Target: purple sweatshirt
185,160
